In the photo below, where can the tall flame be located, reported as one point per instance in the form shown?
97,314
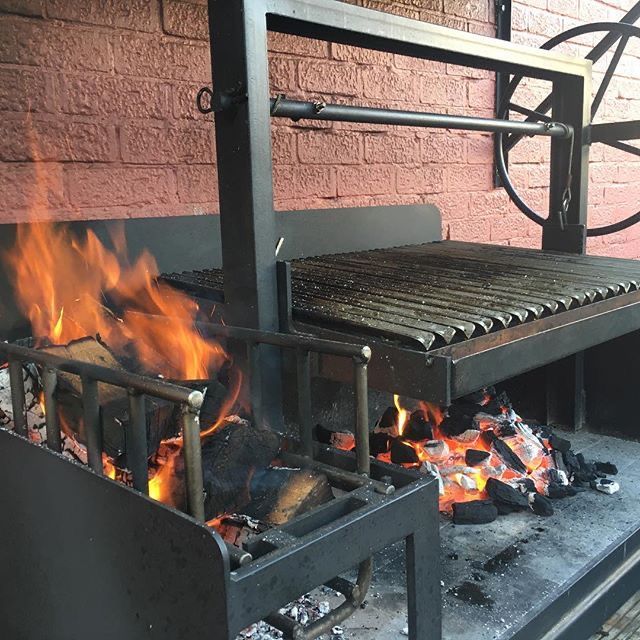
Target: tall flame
402,414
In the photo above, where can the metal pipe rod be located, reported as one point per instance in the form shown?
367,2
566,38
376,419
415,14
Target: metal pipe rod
336,475
193,462
363,460
92,423
255,383
136,442
17,397
238,556
298,110
116,377
49,384
303,362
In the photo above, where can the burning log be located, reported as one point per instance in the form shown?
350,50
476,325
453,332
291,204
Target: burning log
474,512
230,457
114,402
279,494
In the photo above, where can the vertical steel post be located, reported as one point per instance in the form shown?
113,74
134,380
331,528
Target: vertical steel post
49,383
17,397
303,362
92,423
136,442
193,462
238,37
255,383
363,461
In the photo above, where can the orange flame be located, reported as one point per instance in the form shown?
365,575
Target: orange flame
402,414
227,405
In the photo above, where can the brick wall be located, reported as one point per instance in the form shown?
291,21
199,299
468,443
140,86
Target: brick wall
101,92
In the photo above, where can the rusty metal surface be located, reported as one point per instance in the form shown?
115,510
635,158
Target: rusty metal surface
431,295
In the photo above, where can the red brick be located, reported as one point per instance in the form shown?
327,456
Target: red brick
197,184
453,206
24,90
359,55
144,143
420,179
443,149
106,96
482,28
569,8
482,94
509,226
330,77
52,45
23,7
140,15
383,83
431,67
394,200
315,147
56,140
155,58
443,90
628,172
480,150
443,20
283,144
302,47
544,23
183,101
91,186
282,74
185,19
475,9
474,230
386,148
385,6
33,187
368,180
304,182
468,178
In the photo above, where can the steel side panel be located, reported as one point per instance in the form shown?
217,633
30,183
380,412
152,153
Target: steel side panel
83,557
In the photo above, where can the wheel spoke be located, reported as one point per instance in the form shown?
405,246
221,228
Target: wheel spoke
604,85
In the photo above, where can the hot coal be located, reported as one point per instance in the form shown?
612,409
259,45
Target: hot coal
607,468
505,497
541,505
389,419
504,452
559,444
335,437
379,443
418,427
475,457
497,402
403,453
455,425
474,512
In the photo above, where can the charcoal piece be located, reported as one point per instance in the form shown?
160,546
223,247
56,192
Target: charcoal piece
456,423
476,398
280,494
506,429
417,427
571,462
541,505
507,455
213,404
558,477
559,444
474,512
475,457
556,491
558,461
607,468
461,408
526,485
379,443
389,419
496,403
230,456
334,436
403,453
505,496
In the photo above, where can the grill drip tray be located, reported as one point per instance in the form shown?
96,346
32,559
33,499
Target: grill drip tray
446,318
533,587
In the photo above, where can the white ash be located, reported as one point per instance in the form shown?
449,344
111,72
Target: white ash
606,486
428,468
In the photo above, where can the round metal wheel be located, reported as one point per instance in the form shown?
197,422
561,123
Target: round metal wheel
617,33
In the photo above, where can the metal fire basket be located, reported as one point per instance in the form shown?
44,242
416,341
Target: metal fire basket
134,567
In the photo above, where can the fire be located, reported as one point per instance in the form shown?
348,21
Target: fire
227,405
403,414
61,282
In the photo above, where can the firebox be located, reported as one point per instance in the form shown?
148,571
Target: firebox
312,307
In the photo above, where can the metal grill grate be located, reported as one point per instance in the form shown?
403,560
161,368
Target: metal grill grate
430,295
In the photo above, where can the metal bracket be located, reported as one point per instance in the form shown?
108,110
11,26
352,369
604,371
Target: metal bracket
220,101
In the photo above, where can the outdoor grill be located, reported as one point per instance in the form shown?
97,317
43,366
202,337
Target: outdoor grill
301,294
